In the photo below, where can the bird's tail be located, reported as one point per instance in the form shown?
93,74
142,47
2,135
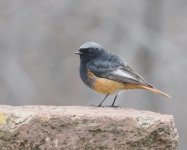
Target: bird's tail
154,90
146,87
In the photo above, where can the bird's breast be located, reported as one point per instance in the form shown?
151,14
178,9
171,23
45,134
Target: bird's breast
85,76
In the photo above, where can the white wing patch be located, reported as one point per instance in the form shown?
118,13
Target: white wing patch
124,74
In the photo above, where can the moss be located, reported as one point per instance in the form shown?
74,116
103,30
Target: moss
36,147
151,139
4,135
148,141
136,145
24,143
96,131
165,130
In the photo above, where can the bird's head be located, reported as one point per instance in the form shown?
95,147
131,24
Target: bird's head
89,51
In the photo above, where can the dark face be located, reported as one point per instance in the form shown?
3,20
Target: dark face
91,52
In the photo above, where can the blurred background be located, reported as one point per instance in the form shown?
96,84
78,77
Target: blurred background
38,38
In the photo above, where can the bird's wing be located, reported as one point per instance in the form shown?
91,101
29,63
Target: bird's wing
115,69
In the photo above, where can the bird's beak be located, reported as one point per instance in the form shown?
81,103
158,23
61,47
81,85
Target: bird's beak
78,53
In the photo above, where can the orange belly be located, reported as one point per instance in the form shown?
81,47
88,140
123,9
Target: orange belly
103,85
107,86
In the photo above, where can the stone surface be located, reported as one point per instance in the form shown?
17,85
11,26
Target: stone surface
87,128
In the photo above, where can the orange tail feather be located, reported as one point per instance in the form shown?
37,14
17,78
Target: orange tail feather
152,89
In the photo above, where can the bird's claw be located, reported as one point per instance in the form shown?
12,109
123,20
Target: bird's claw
97,105
113,106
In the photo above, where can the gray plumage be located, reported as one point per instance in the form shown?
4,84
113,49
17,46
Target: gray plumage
107,65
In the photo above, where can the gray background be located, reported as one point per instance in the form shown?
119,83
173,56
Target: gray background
38,38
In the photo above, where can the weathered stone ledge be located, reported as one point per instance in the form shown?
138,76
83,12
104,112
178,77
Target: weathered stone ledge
87,128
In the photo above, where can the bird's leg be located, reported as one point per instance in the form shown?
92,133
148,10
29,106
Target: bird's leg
114,101
102,101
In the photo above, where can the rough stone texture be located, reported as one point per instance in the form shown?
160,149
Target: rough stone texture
75,127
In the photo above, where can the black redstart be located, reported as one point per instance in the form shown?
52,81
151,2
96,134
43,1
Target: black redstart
108,73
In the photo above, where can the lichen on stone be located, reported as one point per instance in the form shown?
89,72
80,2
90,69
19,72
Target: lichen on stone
3,118
145,121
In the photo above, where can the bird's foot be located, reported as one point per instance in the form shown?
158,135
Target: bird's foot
113,106
97,105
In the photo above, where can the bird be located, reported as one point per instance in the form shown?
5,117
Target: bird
108,73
